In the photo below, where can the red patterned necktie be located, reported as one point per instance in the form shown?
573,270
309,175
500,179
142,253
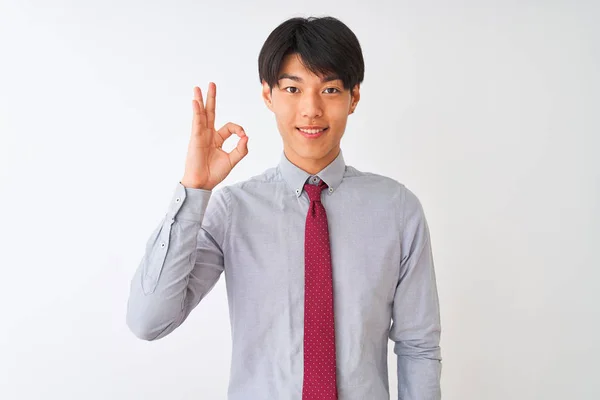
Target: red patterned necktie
319,331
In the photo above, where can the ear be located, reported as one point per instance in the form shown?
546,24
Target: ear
354,98
266,95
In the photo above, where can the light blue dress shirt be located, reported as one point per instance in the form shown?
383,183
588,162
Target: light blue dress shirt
383,277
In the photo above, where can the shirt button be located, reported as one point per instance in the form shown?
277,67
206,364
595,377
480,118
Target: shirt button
330,190
297,191
315,179
178,199
162,244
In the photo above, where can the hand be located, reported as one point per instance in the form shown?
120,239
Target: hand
207,164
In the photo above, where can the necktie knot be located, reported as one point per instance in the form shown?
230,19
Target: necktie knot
314,191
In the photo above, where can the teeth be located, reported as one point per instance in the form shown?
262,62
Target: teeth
311,131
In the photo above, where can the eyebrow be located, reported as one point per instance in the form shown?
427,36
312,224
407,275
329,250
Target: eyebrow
295,78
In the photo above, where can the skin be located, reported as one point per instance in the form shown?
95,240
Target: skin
302,98
206,163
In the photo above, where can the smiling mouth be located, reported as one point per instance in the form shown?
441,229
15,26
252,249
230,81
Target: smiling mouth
311,132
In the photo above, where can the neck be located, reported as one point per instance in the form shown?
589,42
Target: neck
311,165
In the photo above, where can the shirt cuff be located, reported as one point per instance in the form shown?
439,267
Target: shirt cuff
189,204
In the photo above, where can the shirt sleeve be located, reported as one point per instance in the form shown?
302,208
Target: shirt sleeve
415,315
183,261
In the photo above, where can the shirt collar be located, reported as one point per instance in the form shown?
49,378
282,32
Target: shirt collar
296,177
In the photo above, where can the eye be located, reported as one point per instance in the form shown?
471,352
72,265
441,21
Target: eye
291,89
335,90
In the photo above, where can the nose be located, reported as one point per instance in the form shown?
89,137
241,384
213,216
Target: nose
311,106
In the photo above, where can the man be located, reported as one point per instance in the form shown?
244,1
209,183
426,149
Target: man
319,257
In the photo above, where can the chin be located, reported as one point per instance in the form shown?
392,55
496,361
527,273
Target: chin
311,153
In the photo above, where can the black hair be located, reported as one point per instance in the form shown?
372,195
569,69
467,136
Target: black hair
325,46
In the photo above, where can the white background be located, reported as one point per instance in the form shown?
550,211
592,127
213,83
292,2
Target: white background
488,111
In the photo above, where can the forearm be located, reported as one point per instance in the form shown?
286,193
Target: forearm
158,292
419,372
417,331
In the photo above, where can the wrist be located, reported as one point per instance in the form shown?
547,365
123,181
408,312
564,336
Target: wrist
189,184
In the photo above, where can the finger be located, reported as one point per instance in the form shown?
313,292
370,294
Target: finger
199,118
227,130
211,105
240,151
198,97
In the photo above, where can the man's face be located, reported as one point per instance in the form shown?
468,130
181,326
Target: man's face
303,101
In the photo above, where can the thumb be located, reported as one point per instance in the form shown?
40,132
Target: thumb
240,151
